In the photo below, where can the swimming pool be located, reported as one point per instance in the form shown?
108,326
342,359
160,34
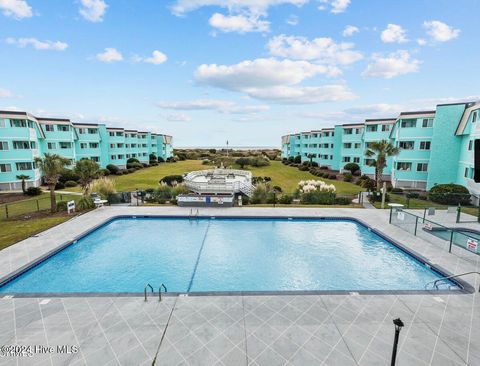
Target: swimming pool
226,254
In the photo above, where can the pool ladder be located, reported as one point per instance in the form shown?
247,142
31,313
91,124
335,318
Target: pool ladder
159,291
446,278
193,214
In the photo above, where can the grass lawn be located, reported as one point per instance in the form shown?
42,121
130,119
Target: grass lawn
284,176
13,231
414,203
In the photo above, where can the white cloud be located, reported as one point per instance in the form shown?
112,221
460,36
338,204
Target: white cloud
110,55
239,23
157,58
222,106
4,93
440,31
38,45
178,117
17,9
253,6
421,42
93,10
337,6
292,20
350,30
273,80
324,51
394,33
395,64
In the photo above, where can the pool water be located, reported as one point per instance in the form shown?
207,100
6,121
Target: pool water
226,255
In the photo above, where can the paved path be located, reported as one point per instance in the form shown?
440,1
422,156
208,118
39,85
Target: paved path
243,330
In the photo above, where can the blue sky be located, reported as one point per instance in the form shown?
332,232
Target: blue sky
247,71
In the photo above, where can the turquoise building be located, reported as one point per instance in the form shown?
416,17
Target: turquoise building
436,146
23,137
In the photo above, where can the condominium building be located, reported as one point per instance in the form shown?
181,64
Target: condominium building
24,137
436,146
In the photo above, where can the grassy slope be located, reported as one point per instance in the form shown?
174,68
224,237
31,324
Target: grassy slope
282,175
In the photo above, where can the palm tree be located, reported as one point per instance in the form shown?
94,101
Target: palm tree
87,170
52,166
380,150
23,178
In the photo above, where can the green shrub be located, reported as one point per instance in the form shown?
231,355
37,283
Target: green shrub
33,191
285,199
59,185
104,172
134,165
303,168
180,189
332,176
291,159
160,159
243,162
412,195
314,164
131,170
343,201
67,175
352,167
259,162
450,194
297,159
113,168
259,194
317,198
347,177
61,206
164,192
278,189
103,186
396,190
133,160
70,183
172,179
85,203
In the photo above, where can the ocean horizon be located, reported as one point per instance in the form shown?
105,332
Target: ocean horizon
230,147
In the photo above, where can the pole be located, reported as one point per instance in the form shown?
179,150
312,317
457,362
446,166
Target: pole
459,210
384,192
398,326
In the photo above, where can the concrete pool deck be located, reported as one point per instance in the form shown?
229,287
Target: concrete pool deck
354,329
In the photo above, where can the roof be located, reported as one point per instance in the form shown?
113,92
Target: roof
17,113
380,119
85,124
416,112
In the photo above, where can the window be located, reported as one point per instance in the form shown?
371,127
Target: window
422,167
347,145
348,131
121,146
93,145
427,122
83,145
385,128
51,146
408,123
119,134
474,116
3,122
470,145
95,158
121,156
49,128
425,145
372,128
358,131
63,128
112,146
81,131
111,133
369,144
404,166
18,123
369,162
21,145
327,134
5,168
25,166
356,159
113,157
406,145
346,159
65,145
358,145
92,131
3,145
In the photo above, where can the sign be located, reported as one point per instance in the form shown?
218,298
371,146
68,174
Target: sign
70,206
401,215
428,227
472,245
431,211
191,199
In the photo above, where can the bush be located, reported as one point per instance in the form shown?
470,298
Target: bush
104,172
278,189
258,162
352,167
67,175
303,168
104,187
133,160
318,198
285,199
113,169
324,167
120,172
291,159
33,191
297,159
377,197
413,195
70,183
171,180
347,177
179,189
357,173
259,194
306,163
160,159
332,176
450,194
162,193
245,200
314,164
125,172
61,206
243,162
59,185
134,165
368,184
396,190
85,203
343,201
145,165
131,170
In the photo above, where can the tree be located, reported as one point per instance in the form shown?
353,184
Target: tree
242,162
310,156
380,151
52,166
23,178
87,170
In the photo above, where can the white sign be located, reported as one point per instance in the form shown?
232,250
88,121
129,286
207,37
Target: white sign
191,199
472,245
400,215
428,227
71,206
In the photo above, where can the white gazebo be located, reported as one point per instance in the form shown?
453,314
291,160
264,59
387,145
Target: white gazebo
219,182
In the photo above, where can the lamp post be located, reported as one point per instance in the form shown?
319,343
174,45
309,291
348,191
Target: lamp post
398,327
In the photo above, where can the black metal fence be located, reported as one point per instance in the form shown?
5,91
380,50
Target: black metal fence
16,208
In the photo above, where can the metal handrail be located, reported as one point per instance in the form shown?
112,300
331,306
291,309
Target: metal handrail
435,283
145,291
160,291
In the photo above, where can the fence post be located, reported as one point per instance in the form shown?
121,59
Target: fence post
424,214
459,211
408,202
6,211
478,214
416,225
38,206
451,241
390,219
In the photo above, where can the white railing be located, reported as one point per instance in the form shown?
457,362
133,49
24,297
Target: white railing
229,188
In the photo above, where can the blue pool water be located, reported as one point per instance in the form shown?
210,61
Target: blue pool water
226,255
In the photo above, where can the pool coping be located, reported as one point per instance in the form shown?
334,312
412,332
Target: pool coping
465,287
